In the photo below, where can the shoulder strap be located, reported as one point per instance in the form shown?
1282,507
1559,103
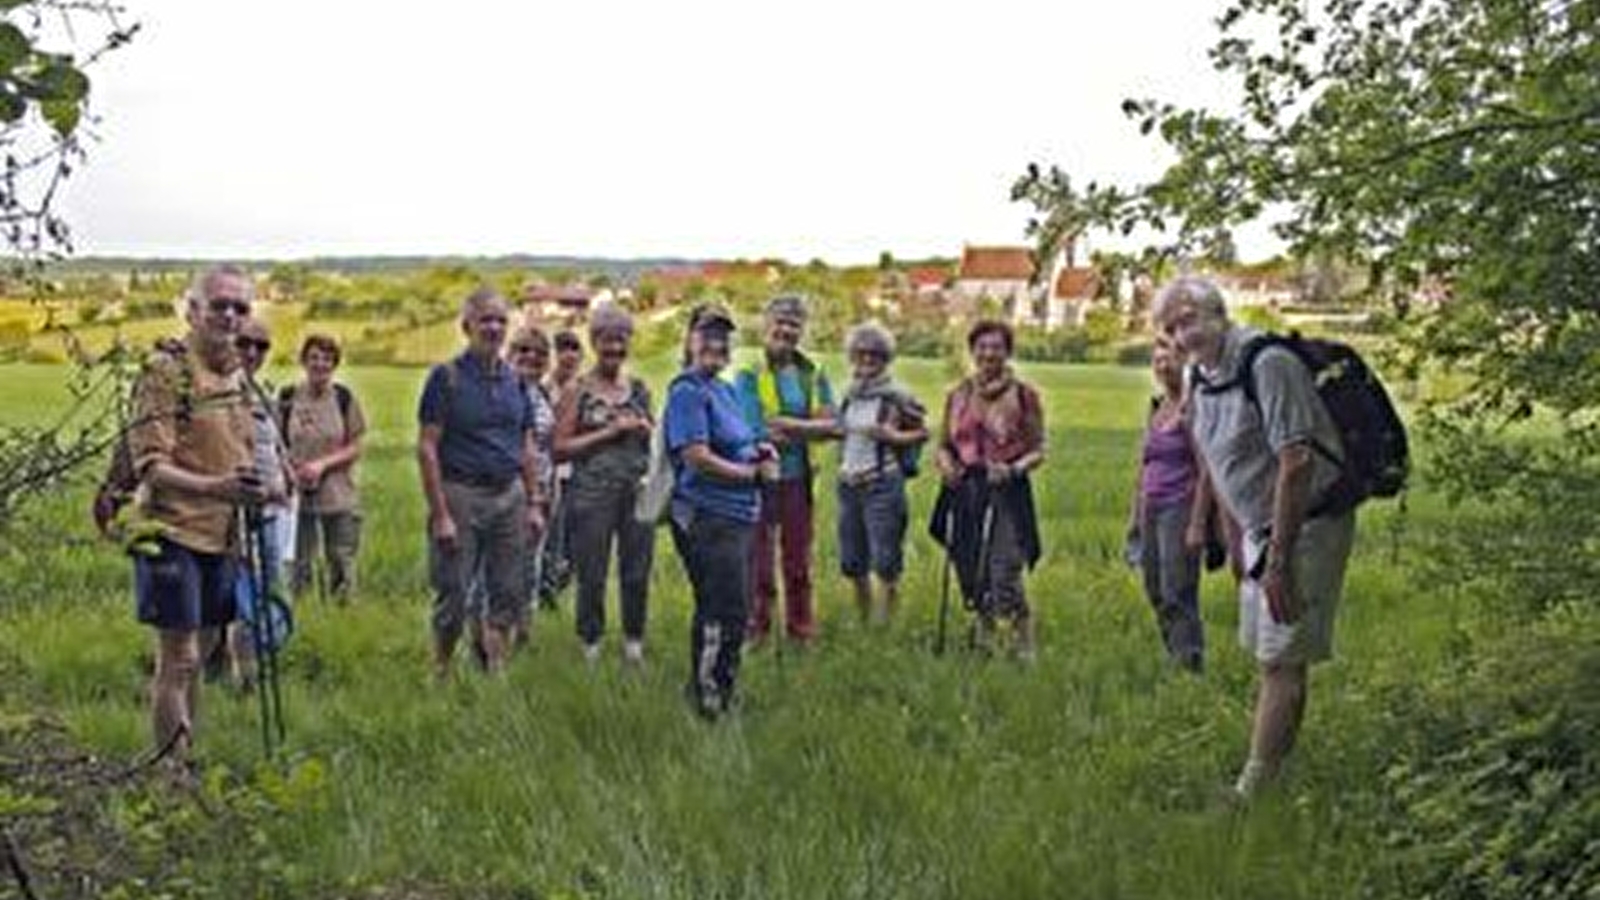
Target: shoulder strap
285,408
342,397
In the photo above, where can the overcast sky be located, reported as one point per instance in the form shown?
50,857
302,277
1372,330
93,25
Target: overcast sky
602,127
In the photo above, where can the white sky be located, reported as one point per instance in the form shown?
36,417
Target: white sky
614,127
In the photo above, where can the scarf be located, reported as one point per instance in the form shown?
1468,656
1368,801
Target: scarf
879,385
992,390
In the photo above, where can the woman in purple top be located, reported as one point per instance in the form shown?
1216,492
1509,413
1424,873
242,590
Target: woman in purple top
1171,495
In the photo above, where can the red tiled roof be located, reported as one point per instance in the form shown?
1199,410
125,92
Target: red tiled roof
997,263
928,276
1077,283
567,295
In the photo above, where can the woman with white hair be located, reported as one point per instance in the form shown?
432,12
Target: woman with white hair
883,426
603,428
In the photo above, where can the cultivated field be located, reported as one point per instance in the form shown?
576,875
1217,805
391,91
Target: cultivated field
863,768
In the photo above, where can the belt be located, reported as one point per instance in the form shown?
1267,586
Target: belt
858,479
480,480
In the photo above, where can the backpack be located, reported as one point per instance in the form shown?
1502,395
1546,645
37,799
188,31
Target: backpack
120,481
1377,455
341,396
655,489
908,458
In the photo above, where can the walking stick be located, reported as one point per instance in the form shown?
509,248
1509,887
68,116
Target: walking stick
985,550
944,583
268,694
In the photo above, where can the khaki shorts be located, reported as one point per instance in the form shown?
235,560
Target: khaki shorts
1317,578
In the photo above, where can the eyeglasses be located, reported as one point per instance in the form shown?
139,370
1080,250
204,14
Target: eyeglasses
221,305
527,348
253,344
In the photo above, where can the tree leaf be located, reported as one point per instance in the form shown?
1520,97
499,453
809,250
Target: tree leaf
12,106
63,115
15,48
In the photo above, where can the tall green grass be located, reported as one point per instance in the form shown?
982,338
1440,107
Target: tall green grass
864,767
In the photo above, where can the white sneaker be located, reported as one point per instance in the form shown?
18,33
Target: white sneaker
633,653
1250,780
591,653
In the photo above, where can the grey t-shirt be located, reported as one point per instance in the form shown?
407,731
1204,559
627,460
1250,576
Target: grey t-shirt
859,454
1240,440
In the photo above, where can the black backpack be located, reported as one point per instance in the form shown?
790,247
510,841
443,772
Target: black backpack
1377,456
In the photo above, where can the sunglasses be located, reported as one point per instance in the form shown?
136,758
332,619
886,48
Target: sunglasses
253,344
222,305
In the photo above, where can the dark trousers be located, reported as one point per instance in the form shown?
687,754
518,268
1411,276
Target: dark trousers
785,526
1172,583
600,517
716,553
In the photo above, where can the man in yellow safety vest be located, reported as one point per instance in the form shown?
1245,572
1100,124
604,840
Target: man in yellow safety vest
786,399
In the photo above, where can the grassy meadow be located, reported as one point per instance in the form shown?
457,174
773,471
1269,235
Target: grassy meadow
865,767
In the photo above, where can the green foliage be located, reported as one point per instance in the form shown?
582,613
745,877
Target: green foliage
1499,786
1262,317
44,95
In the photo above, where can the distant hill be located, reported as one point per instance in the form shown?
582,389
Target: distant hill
623,269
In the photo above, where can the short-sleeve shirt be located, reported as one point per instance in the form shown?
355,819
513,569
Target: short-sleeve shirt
704,409
1240,440
482,417
316,428
794,460
544,430
618,462
269,452
198,420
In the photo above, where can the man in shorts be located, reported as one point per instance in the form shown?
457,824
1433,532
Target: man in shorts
192,445
1270,461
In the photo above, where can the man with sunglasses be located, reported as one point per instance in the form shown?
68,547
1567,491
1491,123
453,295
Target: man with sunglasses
192,442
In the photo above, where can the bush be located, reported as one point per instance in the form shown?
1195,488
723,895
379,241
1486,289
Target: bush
1499,787
1060,345
1136,354
376,353
1262,317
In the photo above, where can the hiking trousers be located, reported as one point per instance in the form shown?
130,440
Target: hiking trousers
340,534
1172,582
716,553
491,539
785,526
601,517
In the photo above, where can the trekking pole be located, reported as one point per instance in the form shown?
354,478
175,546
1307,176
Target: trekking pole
269,695
944,583
985,551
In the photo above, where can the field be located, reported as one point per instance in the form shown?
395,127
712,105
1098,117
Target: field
865,767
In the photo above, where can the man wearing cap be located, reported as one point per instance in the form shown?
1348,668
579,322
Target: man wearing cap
787,400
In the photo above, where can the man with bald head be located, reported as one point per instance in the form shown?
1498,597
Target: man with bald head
477,452
192,443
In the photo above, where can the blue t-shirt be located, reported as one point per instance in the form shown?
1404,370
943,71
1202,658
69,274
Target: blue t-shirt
703,409
791,390
483,415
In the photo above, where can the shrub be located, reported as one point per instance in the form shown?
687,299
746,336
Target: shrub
1136,354
1499,788
1263,317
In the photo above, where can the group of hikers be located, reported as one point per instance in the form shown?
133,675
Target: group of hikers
531,471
